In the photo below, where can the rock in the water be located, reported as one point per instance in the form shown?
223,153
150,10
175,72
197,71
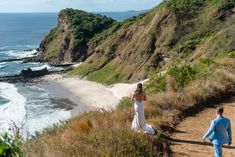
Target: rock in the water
30,73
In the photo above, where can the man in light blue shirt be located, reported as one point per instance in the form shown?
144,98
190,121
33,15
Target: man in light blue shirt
219,133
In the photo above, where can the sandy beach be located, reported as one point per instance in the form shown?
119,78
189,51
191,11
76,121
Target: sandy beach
85,94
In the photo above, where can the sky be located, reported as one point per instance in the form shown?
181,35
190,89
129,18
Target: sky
87,5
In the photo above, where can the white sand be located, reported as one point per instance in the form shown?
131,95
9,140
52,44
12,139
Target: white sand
86,94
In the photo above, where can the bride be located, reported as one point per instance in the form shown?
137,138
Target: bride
138,123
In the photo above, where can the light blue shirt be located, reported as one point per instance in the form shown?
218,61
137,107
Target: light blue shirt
220,131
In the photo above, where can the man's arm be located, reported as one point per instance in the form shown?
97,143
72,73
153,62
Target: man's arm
210,130
229,130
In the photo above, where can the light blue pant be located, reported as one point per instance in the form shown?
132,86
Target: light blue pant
218,150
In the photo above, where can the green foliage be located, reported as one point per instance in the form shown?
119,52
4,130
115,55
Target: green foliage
188,46
231,54
110,52
109,74
85,25
225,4
182,5
126,23
106,33
203,65
124,103
83,70
183,74
53,42
156,83
10,146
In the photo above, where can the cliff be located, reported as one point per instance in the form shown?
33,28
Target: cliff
68,41
176,30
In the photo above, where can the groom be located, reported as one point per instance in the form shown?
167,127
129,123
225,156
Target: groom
219,133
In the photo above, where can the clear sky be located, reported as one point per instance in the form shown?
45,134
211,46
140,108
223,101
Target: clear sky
88,5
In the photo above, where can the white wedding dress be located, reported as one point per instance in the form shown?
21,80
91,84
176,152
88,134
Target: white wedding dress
138,123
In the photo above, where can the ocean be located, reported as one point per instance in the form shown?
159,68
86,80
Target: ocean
29,106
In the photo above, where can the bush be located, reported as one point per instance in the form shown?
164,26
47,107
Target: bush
231,54
180,77
10,146
156,83
203,66
182,74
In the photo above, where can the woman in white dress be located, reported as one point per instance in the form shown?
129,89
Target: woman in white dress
138,123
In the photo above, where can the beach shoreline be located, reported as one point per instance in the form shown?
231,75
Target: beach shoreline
86,95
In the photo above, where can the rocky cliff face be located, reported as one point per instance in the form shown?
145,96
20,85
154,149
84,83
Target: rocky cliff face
68,41
176,30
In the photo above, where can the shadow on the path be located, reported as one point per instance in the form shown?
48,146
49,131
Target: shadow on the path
197,143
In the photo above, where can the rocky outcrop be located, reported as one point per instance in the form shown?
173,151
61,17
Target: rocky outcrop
29,73
68,41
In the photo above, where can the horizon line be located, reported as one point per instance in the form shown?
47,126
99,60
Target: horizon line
75,9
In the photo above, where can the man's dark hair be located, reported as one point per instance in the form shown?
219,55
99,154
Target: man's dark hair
220,110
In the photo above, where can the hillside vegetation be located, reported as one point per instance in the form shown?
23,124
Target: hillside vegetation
128,51
186,49
68,41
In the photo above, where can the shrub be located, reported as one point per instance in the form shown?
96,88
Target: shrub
156,83
183,74
231,54
203,66
10,146
179,76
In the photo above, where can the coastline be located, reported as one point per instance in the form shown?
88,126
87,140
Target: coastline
86,95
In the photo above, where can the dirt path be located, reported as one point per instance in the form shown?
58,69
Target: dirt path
187,139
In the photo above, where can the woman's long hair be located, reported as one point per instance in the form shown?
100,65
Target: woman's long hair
139,88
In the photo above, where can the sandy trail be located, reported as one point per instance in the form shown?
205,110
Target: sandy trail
188,141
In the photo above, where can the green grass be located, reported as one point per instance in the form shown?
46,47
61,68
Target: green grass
156,83
203,66
84,70
53,41
109,74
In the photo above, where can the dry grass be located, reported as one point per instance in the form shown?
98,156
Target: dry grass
171,84
94,134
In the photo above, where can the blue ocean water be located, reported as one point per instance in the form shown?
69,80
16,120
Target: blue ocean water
20,32
22,103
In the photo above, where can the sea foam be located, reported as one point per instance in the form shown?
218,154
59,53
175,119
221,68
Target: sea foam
20,54
41,67
12,112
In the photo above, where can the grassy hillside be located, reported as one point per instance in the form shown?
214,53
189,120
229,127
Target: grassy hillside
174,31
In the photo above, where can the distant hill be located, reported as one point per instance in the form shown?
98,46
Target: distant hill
176,30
